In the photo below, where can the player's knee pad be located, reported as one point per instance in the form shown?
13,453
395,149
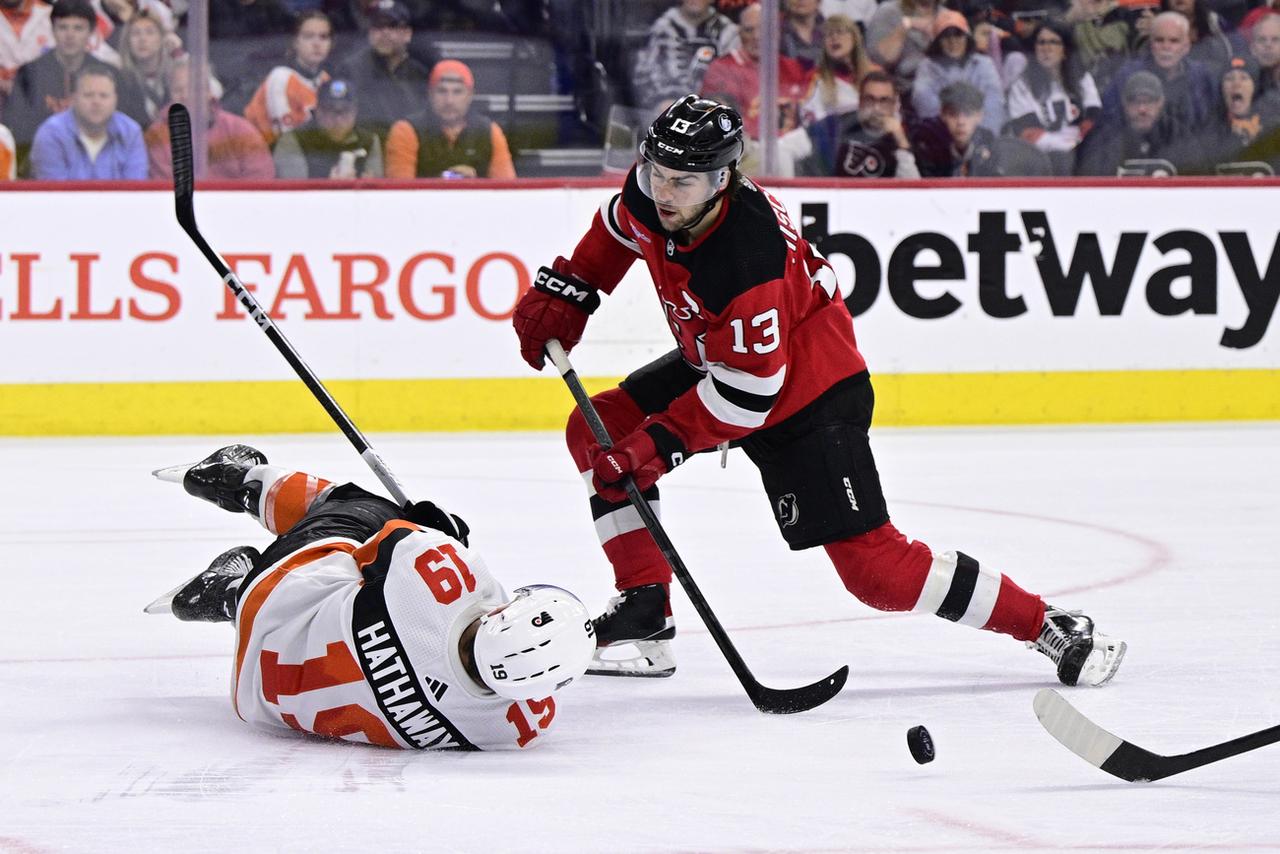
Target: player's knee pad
620,415
882,568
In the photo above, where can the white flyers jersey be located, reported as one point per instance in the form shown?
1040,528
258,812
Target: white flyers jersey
359,641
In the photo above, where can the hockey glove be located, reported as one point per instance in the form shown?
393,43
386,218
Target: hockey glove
428,515
557,306
646,455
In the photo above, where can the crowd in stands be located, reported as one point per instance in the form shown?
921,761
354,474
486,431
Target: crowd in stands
907,88
342,89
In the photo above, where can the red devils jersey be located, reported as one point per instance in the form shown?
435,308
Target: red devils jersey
752,306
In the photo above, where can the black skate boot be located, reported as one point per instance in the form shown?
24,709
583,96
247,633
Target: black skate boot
637,616
1083,656
219,478
210,597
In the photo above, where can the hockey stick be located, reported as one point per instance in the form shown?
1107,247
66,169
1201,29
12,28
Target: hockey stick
1124,759
770,700
183,193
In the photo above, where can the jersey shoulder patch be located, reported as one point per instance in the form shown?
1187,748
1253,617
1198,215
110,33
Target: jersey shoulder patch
747,249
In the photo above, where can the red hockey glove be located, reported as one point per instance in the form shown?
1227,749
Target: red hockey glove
646,455
557,306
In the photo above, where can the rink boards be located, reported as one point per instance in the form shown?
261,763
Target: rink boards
978,304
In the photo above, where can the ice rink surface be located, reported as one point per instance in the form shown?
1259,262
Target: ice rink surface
116,733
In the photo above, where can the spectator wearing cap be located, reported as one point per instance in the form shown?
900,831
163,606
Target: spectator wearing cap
956,144
42,87
952,58
1140,136
286,96
1190,88
26,31
1246,116
449,139
91,140
8,156
734,79
681,44
391,82
1054,103
1264,46
237,152
334,143
898,35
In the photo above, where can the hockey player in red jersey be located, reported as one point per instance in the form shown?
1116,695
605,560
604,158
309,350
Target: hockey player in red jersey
373,623
766,359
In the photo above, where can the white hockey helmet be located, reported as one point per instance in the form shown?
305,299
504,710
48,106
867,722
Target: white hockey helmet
537,643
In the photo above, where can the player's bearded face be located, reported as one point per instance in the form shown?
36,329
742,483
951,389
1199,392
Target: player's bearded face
679,196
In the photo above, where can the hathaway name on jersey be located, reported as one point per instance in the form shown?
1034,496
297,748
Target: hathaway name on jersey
359,641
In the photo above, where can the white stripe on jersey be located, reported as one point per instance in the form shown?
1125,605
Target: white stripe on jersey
726,411
750,383
608,215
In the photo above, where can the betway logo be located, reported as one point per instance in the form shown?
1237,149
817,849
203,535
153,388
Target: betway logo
1194,273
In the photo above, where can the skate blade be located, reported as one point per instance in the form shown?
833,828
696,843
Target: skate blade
173,474
1099,672
653,660
164,605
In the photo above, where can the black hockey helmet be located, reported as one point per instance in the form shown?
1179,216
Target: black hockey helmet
694,135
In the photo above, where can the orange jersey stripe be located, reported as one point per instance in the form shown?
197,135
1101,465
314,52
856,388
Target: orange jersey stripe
367,553
257,597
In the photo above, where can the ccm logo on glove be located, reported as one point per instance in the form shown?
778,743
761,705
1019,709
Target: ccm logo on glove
567,287
645,455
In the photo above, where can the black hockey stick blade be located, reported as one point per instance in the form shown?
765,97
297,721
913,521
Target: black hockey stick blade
788,701
771,701
183,166
1124,759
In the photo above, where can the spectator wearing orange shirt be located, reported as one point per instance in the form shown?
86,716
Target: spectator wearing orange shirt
448,139
26,31
8,156
288,94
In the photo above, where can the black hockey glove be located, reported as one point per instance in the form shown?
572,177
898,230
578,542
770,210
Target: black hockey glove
428,515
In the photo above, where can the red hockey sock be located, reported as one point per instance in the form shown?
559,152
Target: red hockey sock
627,544
886,571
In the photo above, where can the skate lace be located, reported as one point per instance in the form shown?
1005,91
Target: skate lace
1054,640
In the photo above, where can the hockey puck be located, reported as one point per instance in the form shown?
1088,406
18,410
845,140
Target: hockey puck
920,743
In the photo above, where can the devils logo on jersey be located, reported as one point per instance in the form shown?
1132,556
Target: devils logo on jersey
788,510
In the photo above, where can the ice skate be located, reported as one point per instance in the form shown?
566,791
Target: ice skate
1083,656
220,478
210,597
636,618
